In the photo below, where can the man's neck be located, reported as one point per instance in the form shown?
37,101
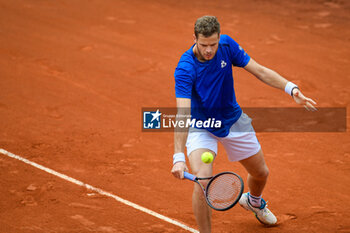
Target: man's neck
197,55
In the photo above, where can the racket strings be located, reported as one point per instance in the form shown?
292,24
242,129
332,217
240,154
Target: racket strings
223,191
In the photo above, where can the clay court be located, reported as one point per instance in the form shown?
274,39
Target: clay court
74,76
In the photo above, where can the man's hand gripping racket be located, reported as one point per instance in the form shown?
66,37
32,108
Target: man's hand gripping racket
223,190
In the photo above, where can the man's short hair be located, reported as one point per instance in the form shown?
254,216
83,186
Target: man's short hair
206,26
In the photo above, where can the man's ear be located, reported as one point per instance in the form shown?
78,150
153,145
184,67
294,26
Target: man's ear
194,38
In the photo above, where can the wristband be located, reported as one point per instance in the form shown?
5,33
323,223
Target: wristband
289,88
179,157
296,87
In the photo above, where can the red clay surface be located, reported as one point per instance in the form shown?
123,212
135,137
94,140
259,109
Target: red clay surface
74,76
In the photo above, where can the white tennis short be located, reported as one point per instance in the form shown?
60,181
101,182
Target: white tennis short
239,144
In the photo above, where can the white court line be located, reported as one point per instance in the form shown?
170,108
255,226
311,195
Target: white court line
100,191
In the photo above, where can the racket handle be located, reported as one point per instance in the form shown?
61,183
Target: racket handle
189,176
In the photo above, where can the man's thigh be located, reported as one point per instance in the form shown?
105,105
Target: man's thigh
255,165
198,167
241,142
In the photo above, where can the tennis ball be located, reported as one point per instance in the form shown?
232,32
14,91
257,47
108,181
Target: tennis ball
207,157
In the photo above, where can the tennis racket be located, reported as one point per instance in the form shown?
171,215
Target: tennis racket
223,190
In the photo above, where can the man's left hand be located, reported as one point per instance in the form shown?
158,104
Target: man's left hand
299,98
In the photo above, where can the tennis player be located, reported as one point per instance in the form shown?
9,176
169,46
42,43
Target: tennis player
205,89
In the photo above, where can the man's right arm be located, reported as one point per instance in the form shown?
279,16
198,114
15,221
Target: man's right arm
180,137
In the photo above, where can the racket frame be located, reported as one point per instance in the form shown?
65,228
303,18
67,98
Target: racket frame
211,178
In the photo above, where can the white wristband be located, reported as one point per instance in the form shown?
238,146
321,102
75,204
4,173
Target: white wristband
289,88
179,157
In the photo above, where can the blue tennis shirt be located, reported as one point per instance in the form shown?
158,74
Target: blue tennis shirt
210,84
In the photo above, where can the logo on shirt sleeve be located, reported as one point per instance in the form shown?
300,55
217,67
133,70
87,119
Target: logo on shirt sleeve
240,48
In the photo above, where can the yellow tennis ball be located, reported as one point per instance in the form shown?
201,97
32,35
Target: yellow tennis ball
207,157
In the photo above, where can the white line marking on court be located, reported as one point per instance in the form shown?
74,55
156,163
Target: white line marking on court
100,191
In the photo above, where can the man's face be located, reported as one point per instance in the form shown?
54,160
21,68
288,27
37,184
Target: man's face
207,46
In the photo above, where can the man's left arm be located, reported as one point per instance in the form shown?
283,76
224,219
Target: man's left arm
273,79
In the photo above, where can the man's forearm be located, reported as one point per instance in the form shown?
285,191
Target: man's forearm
180,135
180,141
272,78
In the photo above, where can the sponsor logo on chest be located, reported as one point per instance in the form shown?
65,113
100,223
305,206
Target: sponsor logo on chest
223,64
